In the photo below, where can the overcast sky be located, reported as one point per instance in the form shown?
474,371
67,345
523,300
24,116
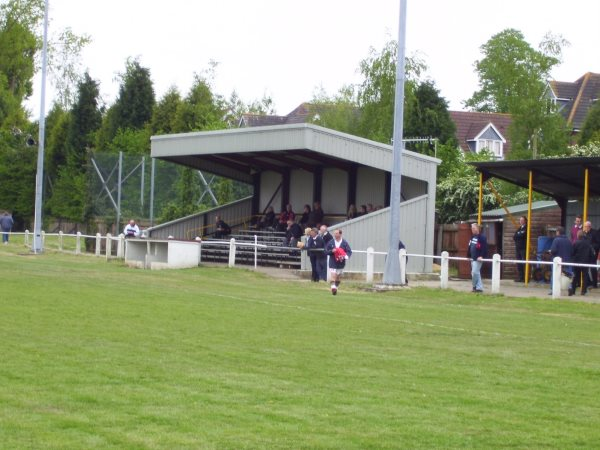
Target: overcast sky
287,50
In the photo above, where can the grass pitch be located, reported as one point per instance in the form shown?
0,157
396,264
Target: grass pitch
97,355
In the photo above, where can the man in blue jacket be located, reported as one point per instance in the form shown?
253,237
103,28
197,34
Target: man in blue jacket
6,223
338,251
477,251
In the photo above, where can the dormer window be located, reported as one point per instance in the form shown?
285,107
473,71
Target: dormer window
493,146
489,138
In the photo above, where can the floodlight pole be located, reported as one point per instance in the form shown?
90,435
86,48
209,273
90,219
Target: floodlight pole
391,274
39,179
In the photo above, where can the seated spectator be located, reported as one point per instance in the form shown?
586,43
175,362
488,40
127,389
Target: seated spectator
284,216
315,218
352,213
131,229
370,208
222,230
362,211
292,234
268,219
305,216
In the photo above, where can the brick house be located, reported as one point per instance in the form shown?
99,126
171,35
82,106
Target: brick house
477,130
574,99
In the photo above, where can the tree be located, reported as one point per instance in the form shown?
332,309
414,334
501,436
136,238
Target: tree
70,195
458,193
18,45
201,109
427,115
134,105
64,65
376,93
165,111
86,119
512,79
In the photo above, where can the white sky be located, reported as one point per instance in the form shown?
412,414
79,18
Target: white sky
287,50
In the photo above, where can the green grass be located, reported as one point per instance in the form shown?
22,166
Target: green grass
97,355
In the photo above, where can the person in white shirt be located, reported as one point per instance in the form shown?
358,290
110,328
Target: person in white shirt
131,229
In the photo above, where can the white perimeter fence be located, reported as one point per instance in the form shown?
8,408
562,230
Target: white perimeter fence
114,247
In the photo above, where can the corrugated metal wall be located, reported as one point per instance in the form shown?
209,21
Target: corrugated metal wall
372,231
202,224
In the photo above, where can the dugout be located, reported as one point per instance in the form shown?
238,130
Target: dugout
571,182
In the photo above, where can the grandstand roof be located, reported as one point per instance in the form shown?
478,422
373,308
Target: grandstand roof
240,153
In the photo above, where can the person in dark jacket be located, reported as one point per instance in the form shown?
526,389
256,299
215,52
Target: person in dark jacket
520,238
315,247
325,234
304,219
583,253
315,218
222,230
338,251
477,251
292,234
593,237
268,219
6,224
562,247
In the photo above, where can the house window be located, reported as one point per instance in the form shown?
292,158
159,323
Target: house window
495,147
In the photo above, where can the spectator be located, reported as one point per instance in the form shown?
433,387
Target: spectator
293,234
363,210
305,216
593,238
520,238
316,252
583,253
352,213
268,219
315,218
562,247
477,251
284,216
222,230
131,229
575,228
324,233
6,224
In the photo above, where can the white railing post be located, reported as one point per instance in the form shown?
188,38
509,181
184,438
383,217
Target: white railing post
43,238
496,273
444,272
402,256
255,252
370,264
556,276
98,244
108,245
26,237
60,241
78,243
232,252
121,246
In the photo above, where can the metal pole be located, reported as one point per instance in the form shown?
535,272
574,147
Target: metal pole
391,274
39,179
117,231
152,171
142,184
